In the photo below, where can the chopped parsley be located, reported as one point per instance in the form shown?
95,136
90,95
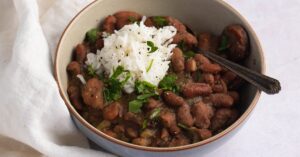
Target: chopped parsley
189,54
224,43
160,21
168,83
113,91
132,19
153,48
91,35
150,65
183,126
91,71
145,91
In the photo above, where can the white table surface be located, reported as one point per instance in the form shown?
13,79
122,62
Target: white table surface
274,126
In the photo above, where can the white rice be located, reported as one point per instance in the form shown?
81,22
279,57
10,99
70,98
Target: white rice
128,48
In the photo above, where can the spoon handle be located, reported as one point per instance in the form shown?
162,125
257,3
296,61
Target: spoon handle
265,83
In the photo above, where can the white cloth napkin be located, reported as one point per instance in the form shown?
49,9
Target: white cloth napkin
34,119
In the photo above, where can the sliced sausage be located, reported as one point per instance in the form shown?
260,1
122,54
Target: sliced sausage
190,90
92,93
221,100
112,111
172,99
237,41
184,115
202,114
109,24
177,60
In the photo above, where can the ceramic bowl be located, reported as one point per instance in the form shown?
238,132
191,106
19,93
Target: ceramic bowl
199,15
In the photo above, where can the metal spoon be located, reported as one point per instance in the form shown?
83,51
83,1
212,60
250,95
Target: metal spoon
265,83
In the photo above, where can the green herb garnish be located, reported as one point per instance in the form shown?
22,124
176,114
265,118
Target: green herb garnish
168,83
145,123
198,75
91,35
189,54
160,21
91,71
153,48
143,87
132,19
224,43
155,113
182,45
150,65
113,91
135,106
146,96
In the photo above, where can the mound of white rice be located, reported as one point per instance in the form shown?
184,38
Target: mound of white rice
128,48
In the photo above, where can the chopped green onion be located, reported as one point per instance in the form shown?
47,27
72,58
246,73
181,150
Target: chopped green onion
183,126
91,71
144,87
224,43
145,96
160,21
150,65
118,71
135,106
182,45
155,113
91,35
153,48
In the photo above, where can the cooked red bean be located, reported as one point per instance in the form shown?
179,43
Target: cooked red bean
184,115
190,90
168,119
123,18
149,22
112,111
220,87
99,43
80,53
152,104
92,93
179,140
110,133
228,77
235,95
177,60
208,78
188,39
131,132
134,118
207,42
202,113
73,68
204,133
119,129
223,117
200,59
211,68
109,24
190,65
75,96
173,99
238,42
142,141
221,100
176,23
